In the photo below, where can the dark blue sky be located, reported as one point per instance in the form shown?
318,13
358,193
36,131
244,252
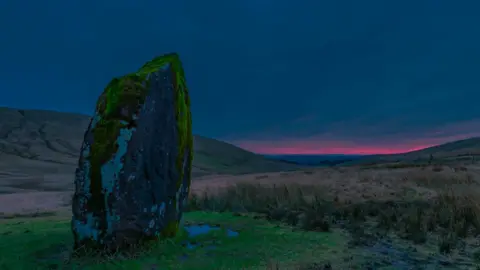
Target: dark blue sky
272,76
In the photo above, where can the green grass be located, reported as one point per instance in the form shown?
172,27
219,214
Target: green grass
297,227
45,243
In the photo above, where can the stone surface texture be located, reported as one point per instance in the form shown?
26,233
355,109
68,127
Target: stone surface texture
134,170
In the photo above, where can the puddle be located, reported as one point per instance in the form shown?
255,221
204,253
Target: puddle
196,230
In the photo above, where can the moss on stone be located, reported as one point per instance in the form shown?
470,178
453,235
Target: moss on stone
173,60
116,108
105,135
125,93
170,229
184,121
185,139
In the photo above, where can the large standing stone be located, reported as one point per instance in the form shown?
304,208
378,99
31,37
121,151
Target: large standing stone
133,175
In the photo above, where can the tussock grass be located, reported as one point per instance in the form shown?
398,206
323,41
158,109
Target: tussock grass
449,215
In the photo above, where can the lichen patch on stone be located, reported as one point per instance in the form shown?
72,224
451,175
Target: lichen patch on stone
86,230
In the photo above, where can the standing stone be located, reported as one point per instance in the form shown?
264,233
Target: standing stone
133,174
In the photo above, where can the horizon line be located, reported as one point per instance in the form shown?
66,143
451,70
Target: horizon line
335,149
312,154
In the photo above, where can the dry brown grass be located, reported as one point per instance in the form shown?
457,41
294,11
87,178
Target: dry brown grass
351,185
414,203
356,184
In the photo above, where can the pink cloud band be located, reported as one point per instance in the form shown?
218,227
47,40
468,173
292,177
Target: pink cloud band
376,144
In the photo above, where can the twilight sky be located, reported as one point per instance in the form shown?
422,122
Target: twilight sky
272,76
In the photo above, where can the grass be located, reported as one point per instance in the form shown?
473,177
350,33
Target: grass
305,207
284,226
437,226
46,244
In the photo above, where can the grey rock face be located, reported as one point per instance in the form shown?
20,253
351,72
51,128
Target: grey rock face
134,170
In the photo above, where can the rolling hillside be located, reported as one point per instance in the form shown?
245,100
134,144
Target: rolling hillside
456,151
44,145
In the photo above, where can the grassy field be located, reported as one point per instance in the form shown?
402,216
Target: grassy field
45,243
409,233
343,218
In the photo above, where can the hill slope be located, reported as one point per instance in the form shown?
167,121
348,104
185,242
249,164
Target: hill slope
213,156
45,144
455,151
456,148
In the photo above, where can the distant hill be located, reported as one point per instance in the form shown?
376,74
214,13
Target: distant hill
315,160
452,152
30,139
461,150
456,148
